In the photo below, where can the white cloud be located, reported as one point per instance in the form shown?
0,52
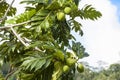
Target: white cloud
102,37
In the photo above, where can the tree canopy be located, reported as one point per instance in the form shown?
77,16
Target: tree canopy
112,73
34,45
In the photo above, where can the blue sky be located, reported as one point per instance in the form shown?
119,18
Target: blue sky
117,4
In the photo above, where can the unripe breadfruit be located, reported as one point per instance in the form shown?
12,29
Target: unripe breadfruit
67,10
59,55
70,61
60,16
80,68
66,68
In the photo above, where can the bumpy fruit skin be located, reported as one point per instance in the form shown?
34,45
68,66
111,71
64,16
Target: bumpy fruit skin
67,10
80,68
60,16
66,68
59,55
70,61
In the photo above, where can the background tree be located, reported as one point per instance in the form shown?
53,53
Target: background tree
35,43
112,73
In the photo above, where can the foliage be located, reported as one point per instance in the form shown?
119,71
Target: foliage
37,49
4,6
112,73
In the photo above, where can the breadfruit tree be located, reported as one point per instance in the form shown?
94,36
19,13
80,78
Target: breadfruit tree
38,44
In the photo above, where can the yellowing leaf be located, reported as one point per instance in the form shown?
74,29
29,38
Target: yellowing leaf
57,70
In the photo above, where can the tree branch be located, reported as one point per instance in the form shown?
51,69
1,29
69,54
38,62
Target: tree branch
9,74
9,26
19,38
5,15
15,33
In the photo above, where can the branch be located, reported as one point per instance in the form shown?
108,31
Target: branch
9,26
15,33
5,15
36,48
9,74
19,38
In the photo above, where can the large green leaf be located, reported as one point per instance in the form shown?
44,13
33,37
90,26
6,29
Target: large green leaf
22,17
76,26
88,12
32,63
43,19
79,49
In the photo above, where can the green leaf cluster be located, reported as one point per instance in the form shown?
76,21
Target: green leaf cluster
35,63
43,19
3,8
79,50
89,13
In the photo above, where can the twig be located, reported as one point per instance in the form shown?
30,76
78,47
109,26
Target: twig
36,48
15,33
9,74
9,26
5,15
19,38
